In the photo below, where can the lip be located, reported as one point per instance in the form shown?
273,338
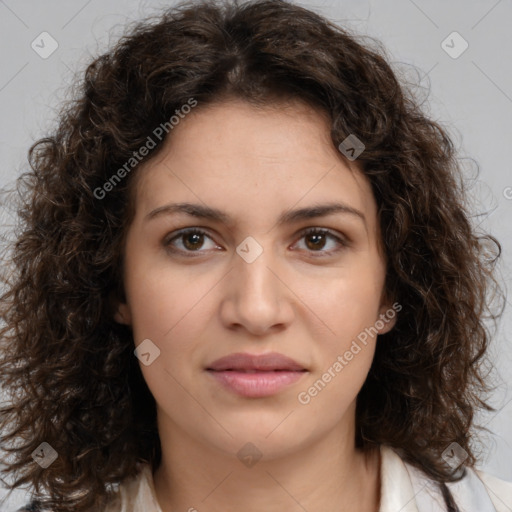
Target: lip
256,376
265,362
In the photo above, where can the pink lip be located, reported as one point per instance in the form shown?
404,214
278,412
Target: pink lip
256,375
256,384
244,361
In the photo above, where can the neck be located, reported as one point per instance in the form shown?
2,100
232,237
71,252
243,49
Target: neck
326,475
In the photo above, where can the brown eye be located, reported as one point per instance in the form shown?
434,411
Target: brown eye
190,240
316,239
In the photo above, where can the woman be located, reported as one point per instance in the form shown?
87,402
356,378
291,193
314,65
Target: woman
246,281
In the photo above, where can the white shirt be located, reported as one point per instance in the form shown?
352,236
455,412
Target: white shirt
403,489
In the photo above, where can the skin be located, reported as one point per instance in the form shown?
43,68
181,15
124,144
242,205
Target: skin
294,299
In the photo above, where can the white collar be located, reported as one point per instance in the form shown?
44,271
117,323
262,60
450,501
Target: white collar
405,488
396,490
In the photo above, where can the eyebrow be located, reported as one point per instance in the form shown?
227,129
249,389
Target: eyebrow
287,217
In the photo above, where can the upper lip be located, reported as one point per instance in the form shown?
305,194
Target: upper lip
245,361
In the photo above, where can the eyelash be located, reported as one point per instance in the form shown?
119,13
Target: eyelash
197,231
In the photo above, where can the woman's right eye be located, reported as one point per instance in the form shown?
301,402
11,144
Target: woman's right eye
190,240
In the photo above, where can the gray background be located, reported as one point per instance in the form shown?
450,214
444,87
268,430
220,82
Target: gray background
471,95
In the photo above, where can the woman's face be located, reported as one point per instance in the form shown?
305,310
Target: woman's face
254,282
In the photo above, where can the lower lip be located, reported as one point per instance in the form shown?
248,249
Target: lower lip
256,384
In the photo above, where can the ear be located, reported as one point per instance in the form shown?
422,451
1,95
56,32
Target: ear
387,317
121,310
122,314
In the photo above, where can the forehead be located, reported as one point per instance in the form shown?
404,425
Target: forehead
234,156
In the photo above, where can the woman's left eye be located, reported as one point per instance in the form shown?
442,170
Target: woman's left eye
317,240
192,240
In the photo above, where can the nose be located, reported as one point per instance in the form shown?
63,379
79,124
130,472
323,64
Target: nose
256,296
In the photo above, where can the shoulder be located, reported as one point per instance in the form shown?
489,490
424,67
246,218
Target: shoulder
481,492
134,494
500,491
410,489
31,507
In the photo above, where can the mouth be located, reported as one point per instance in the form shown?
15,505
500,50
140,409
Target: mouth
256,376
256,383
252,371
242,361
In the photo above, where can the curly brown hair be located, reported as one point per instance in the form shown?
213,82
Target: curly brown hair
69,369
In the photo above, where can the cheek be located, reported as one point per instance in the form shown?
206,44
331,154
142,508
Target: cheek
169,308
344,355
162,296
347,344
346,303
